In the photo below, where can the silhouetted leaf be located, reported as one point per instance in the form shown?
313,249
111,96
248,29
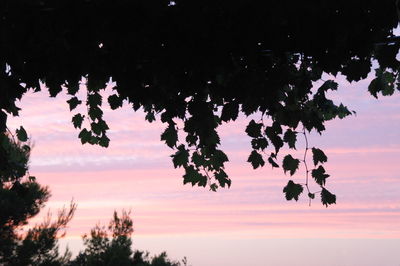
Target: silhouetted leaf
198,159
21,134
191,139
77,120
96,128
273,134
218,159
272,162
292,190
170,136
319,175
230,111
194,177
94,99
85,136
253,129
259,144
384,82
95,113
290,138
328,85
181,157
318,156
327,198
73,103
115,101
222,178
54,87
290,164
214,187
256,159
342,111
104,141
72,87
150,117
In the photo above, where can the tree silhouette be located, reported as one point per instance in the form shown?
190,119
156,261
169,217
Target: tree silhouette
21,198
202,63
114,247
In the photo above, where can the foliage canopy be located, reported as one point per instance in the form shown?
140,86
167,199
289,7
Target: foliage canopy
202,62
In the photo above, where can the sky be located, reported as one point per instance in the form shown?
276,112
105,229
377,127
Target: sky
249,224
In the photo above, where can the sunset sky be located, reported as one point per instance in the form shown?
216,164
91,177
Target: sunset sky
249,224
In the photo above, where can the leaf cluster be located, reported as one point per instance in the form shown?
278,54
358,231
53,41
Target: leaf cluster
228,58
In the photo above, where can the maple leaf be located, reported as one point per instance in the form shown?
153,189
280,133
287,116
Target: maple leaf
290,164
292,190
319,175
256,159
290,138
318,156
170,136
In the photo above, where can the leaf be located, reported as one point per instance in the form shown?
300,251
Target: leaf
104,141
273,134
318,156
94,99
193,176
230,111
93,140
73,103
150,117
384,83
327,198
328,85
32,178
54,87
115,101
213,187
170,136
181,157
96,128
373,88
260,143
218,159
253,129
103,125
222,178
213,139
292,190
290,164
198,159
290,138
85,136
256,159
72,86
21,134
387,83
342,111
77,120
311,195
272,162
319,175
95,113
191,139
